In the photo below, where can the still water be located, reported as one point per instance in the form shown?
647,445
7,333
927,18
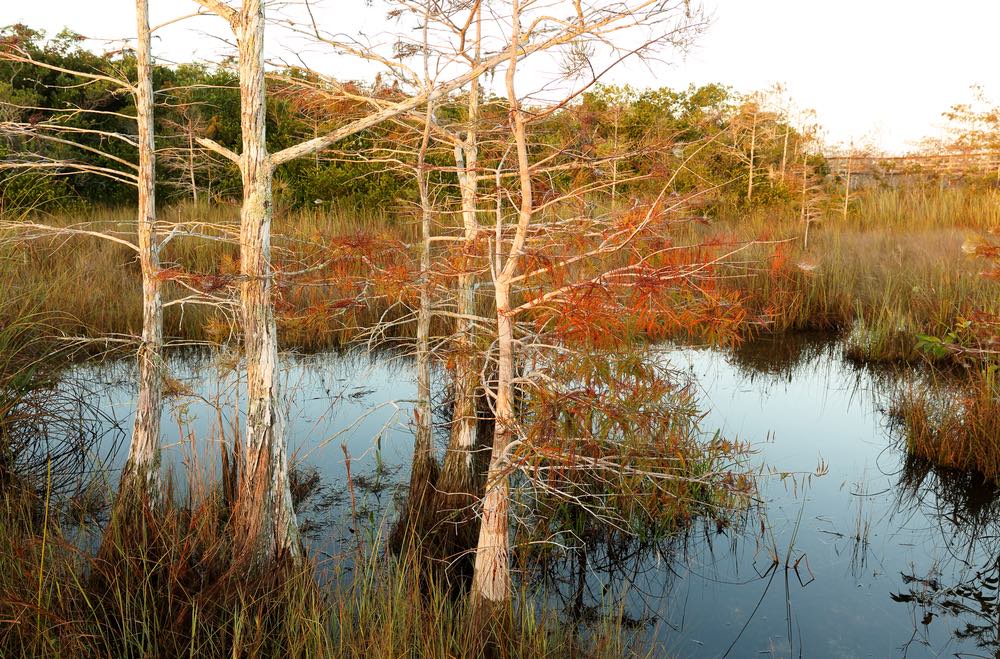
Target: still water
853,550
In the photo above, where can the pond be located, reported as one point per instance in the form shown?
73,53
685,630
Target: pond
853,550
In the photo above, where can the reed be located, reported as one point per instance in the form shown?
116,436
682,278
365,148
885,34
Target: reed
90,287
892,269
174,592
955,425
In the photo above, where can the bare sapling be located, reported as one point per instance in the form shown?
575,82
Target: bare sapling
568,274
458,483
418,514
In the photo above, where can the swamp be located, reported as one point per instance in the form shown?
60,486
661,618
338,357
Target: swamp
473,350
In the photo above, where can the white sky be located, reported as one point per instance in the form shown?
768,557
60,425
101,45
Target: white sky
874,70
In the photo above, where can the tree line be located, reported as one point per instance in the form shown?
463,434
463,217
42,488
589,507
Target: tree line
751,138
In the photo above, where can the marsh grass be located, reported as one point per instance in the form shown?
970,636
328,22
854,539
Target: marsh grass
966,504
167,585
157,587
90,287
954,424
894,269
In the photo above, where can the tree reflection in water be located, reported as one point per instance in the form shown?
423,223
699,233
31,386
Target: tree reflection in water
966,507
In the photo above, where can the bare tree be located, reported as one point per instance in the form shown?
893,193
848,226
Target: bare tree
423,471
458,479
270,524
491,577
187,159
141,478
810,186
143,466
847,182
670,24
266,518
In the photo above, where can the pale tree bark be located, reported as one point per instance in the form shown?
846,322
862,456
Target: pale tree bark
142,470
140,480
191,174
265,493
415,521
422,448
265,516
614,163
784,149
419,507
491,582
458,476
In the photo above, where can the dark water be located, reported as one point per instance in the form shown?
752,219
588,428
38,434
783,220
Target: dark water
854,550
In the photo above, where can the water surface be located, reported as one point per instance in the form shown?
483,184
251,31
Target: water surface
854,550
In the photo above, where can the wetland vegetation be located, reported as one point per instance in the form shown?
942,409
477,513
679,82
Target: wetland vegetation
428,366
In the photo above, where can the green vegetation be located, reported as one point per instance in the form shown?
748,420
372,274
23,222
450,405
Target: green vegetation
707,128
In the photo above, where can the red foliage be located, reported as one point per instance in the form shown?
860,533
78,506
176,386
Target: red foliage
779,260
987,250
206,283
993,273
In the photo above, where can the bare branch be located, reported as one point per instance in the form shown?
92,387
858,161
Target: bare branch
222,10
218,148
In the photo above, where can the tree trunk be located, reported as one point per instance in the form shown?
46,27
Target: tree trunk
491,576
458,483
491,583
419,513
784,151
142,469
191,177
269,520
